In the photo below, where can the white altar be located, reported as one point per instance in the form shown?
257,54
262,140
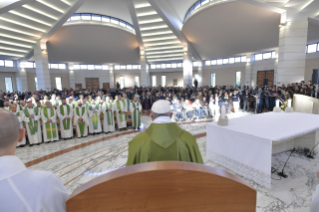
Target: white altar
246,145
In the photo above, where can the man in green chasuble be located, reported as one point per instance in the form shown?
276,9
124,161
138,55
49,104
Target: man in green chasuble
136,109
163,140
49,125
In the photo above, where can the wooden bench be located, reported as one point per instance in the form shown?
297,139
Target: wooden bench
165,186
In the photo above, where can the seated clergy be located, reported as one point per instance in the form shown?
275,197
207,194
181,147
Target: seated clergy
49,126
108,111
14,110
94,111
22,189
163,140
136,109
81,119
65,113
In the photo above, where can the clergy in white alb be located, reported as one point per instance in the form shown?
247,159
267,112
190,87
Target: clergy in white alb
31,117
108,111
94,111
127,104
15,110
120,112
136,109
22,189
65,114
81,120
49,125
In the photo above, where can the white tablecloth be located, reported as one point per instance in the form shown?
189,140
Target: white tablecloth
245,145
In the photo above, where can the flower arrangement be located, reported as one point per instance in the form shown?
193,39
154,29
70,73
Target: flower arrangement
284,106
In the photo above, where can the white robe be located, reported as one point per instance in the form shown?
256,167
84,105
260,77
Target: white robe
66,133
23,142
45,120
135,121
85,119
122,124
91,114
106,126
37,137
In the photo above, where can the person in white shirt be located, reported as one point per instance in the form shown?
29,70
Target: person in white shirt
22,189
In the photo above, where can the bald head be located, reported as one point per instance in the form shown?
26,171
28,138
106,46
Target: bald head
10,131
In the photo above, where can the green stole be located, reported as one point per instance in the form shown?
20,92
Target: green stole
33,127
66,123
118,104
138,114
81,124
109,114
48,125
95,117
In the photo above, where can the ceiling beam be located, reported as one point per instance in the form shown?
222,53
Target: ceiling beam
131,8
169,17
14,5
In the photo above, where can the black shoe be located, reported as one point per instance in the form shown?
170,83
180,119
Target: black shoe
65,139
30,144
21,145
38,144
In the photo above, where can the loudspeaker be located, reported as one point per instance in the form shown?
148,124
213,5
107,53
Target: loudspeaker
265,82
315,77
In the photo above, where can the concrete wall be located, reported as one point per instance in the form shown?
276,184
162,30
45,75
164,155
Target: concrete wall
312,63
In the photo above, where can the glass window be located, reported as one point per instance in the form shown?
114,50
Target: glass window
137,81
179,65
84,67
139,67
105,67
312,48
169,65
91,67
174,65
117,67
237,59
195,64
58,83
158,66
267,56
219,62
258,57
106,19
231,60
135,67
54,66
76,67
75,17
8,83
163,66
98,67
29,65
204,2
8,63
122,82
153,81
153,66
62,66
1,63
213,62
207,63
225,61
197,5
123,67
238,78
163,81
213,79
114,21
36,83
96,17
86,16
130,27
122,23
243,59
273,55
129,67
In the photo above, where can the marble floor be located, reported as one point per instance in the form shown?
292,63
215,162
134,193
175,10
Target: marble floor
78,166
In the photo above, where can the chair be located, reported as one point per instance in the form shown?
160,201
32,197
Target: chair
164,186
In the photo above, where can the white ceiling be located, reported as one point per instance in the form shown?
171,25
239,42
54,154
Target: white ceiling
180,7
232,28
4,3
93,45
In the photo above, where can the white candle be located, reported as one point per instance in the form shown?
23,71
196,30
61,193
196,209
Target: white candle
277,103
223,112
289,103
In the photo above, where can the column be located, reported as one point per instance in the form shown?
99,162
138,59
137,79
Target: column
71,76
42,66
21,77
292,57
248,67
200,73
145,74
111,76
187,68
276,70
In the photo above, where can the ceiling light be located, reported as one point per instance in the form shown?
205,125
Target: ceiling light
282,24
18,31
15,44
21,24
40,12
163,52
151,21
167,47
30,18
146,14
13,49
161,44
66,2
51,6
306,5
142,5
17,38
168,55
9,54
156,33
166,59
162,38
154,27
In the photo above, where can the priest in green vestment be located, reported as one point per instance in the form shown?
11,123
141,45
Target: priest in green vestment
163,140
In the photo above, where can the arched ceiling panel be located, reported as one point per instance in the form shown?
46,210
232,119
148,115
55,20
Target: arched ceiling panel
93,45
231,29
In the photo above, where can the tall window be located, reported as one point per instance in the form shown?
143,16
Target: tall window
153,81
122,82
58,83
137,81
9,84
213,79
36,83
238,78
163,81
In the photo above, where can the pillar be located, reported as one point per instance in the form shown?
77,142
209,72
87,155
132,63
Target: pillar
200,73
145,74
21,77
187,68
42,66
71,76
248,67
111,76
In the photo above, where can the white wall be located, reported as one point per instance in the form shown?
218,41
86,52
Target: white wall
129,78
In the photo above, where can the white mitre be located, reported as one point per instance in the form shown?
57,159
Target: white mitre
161,107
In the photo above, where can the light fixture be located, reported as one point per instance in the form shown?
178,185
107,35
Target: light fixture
306,5
13,49
15,44
282,25
66,2
18,31
21,24
151,21
50,5
142,5
163,52
168,55
17,38
154,27
30,18
146,14
40,12
44,51
167,47
9,54
161,38
161,44
156,33
165,59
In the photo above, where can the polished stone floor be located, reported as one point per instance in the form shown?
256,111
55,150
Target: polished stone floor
80,165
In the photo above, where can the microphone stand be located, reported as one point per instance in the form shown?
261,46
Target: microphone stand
309,155
282,173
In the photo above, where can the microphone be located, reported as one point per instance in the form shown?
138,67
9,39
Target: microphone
309,155
282,173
